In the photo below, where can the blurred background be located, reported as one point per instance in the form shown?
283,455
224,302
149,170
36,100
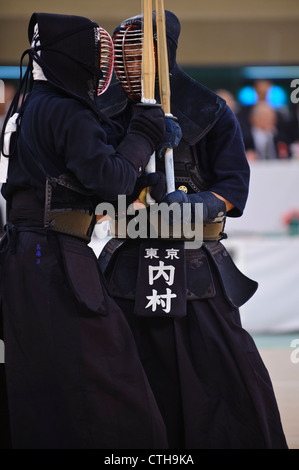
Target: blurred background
247,51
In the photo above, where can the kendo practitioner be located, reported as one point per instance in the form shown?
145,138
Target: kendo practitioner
74,376
209,380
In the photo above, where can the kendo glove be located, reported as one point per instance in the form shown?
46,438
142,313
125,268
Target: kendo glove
148,122
146,131
212,206
172,136
155,181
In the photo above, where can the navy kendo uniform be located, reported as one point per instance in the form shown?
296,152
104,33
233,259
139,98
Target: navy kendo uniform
210,383
74,377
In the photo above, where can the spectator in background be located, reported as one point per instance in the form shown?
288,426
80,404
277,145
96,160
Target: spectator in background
262,138
293,130
229,98
262,89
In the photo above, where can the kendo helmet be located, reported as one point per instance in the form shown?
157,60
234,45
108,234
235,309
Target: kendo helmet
104,59
74,53
128,41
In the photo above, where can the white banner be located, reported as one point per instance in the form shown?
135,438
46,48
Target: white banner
273,192
274,264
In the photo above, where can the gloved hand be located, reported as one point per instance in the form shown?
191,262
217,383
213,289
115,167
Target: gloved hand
156,181
149,122
146,131
213,207
172,136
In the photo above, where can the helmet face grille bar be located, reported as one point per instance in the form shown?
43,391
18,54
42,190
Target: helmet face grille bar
105,60
128,60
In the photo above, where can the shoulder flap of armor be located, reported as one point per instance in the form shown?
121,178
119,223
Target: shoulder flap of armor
196,107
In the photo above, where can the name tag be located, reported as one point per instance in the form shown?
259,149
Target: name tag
161,283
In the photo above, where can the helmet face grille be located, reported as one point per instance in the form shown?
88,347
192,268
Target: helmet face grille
128,60
105,60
